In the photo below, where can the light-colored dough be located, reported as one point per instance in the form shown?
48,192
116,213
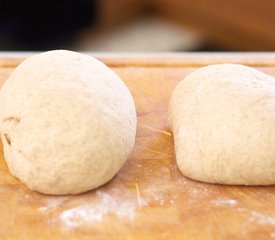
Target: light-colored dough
223,122
67,122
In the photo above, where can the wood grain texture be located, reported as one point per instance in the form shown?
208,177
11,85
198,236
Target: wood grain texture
149,198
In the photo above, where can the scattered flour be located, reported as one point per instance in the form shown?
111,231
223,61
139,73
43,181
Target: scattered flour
96,211
224,202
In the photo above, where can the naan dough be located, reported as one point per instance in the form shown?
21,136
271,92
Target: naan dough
67,122
223,122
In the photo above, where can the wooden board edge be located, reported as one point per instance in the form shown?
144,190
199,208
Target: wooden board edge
163,59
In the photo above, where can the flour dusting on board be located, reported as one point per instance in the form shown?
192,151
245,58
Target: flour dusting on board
79,215
262,218
224,202
96,211
160,194
52,204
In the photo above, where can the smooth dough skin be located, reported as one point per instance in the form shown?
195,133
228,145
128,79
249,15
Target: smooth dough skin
67,122
223,121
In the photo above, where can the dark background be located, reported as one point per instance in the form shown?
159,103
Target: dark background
91,25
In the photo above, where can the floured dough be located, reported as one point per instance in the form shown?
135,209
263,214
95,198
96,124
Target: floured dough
223,122
67,122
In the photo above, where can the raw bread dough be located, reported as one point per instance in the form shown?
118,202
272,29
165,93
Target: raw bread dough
223,122
67,122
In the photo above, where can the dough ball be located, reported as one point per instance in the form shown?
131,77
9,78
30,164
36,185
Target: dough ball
67,122
223,122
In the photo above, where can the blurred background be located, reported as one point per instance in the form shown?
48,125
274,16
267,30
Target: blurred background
137,25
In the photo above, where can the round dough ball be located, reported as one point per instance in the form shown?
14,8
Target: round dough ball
67,122
223,122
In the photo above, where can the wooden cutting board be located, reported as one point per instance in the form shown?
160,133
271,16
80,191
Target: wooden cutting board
149,198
